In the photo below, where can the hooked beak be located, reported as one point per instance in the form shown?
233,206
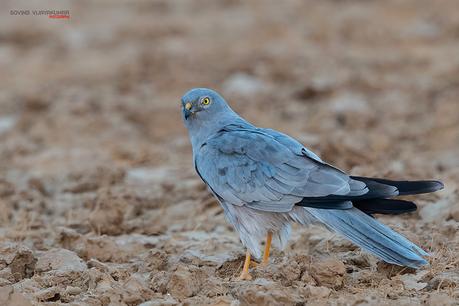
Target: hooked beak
187,110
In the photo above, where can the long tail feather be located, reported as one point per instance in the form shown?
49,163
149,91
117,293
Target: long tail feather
385,206
371,235
405,187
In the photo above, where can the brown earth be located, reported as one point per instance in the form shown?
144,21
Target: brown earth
100,204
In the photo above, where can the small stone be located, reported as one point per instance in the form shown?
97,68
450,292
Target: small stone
60,260
329,273
18,260
94,263
411,281
70,290
183,284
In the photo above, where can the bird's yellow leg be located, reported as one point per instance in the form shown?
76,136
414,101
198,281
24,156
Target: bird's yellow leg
245,275
265,260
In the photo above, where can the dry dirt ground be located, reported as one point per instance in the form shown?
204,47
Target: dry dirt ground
100,204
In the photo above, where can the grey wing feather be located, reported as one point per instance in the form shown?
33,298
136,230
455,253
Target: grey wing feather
246,166
293,144
356,187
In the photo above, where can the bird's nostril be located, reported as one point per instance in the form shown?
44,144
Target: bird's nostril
188,106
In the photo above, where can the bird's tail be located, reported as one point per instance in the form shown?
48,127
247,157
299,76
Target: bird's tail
371,235
404,187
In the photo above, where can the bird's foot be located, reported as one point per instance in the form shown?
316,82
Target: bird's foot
245,276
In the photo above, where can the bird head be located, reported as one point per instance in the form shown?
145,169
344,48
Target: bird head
202,104
204,113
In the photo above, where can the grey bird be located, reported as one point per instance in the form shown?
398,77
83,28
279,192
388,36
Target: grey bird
266,180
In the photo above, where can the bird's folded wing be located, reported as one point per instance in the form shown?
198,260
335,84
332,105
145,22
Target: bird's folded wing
247,166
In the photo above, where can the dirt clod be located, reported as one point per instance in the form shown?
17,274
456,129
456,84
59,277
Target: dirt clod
183,283
16,261
60,261
329,273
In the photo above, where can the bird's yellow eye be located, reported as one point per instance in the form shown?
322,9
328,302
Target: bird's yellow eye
205,101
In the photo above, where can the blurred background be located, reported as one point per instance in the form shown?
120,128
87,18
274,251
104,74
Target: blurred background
99,200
